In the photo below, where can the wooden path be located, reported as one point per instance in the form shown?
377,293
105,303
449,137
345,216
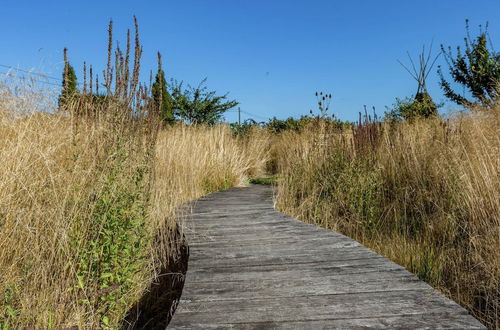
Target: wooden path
251,267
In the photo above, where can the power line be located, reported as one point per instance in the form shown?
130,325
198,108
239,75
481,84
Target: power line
30,72
7,75
254,115
248,114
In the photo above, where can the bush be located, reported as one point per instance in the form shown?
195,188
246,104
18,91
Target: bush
411,108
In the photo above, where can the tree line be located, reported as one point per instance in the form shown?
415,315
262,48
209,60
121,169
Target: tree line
175,101
475,67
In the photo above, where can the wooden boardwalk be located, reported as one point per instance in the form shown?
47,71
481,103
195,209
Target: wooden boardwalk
252,267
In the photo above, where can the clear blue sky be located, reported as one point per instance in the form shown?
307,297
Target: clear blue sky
271,55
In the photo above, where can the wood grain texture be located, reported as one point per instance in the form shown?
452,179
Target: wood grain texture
252,267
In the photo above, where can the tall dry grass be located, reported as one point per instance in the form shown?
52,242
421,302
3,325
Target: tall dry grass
192,161
425,194
50,188
81,203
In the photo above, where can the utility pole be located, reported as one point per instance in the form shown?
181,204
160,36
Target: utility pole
239,116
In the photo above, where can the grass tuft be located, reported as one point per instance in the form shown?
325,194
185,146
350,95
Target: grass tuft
272,180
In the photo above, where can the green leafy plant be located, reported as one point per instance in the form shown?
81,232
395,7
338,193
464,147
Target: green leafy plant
410,108
264,181
243,128
112,254
198,105
477,69
10,311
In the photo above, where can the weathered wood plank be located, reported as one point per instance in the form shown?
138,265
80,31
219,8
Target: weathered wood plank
289,258
289,271
370,305
423,321
306,285
252,267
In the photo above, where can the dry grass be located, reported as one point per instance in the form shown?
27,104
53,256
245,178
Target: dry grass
424,194
88,192
82,202
43,177
193,161
80,208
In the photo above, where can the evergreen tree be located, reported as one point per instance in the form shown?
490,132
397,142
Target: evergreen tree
478,70
161,98
69,82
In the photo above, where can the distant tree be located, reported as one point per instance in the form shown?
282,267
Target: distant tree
197,105
161,97
69,82
478,70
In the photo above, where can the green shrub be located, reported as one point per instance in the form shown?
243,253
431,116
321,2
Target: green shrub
111,239
411,108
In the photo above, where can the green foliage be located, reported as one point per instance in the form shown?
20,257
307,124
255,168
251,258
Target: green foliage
478,70
323,100
355,185
408,108
244,128
337,191
198,105
264,181
8,305
97,99
69,83
275,125
426,266
161,98
114,252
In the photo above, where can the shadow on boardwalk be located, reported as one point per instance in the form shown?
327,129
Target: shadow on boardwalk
252,267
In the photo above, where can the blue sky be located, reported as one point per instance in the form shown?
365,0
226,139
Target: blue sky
270,55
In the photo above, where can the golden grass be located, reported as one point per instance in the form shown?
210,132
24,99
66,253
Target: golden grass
55,182
193,161
40,184
427,197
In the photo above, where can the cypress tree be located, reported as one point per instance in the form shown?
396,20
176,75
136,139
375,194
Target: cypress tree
69,83
161,98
